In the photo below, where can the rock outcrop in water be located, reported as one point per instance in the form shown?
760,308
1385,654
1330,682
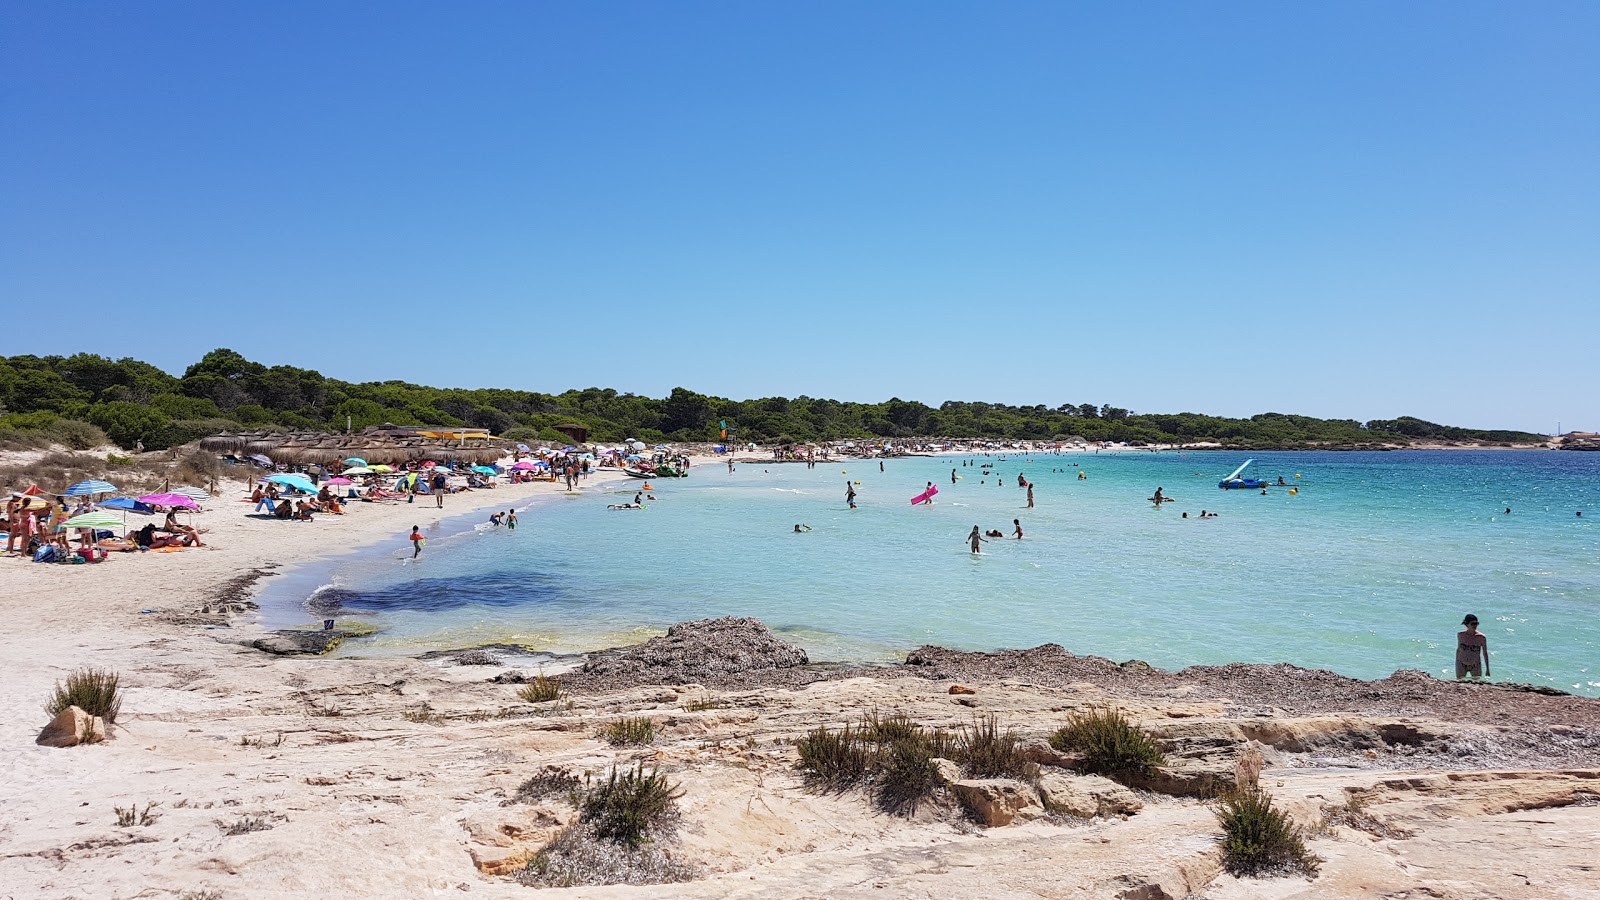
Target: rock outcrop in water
708,651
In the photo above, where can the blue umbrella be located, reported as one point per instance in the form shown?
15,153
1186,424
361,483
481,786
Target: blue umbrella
83,488
127,503
298,482
355,461
485,470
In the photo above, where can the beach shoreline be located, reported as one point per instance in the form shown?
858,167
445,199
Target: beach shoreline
419,758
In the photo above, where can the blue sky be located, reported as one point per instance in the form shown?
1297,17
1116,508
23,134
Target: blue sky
1349,210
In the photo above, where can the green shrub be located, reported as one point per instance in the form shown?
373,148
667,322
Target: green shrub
984,751
834,760
76,435
630,731
95,691
1261,840
1110,744
630,805
881,730
540,690
906,774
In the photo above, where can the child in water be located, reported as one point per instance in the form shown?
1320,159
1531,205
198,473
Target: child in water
511,518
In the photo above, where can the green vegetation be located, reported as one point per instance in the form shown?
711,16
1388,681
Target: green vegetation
1110,744
97,692
894,757
985,751
1261,840
540,690
550,781
630,731
132,401
630,805
127,818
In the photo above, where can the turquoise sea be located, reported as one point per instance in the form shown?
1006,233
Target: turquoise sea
1368,569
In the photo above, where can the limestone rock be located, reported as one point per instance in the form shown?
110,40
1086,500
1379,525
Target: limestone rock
478,657
1045,755
71,727
949,772
961,689
505,865
1086,796
293,642
1208,779
996,801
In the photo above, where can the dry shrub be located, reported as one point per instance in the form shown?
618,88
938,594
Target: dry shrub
97,692
577,856
834,760
540,690
985,751
631,806
641,730
548,781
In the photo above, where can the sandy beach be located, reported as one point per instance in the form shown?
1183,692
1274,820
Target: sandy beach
274,776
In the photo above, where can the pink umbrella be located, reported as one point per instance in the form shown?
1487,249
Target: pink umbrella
171,501
429,464
337,481
524,466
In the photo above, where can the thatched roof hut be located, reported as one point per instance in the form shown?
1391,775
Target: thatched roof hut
387,445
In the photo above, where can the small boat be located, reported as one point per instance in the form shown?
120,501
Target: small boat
640,473
1234,482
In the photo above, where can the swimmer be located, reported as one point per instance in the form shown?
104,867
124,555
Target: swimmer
801,529
1159,498
1018,524
1508,510
993,532
975,539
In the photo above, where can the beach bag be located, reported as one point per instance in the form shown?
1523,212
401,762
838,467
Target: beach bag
47,553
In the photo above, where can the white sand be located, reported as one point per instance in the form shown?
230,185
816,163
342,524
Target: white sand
403,792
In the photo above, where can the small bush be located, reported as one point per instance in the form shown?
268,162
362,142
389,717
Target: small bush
631,806
906,775
246,740
984,751
97,692
1110,744
127,818
882,730
548,781
540,690
245,825
630,731
701,704
577,856
834,760
1261,840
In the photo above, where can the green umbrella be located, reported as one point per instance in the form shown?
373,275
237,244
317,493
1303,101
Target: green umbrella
95,519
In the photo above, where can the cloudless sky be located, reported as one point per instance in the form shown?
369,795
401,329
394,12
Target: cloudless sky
1348,209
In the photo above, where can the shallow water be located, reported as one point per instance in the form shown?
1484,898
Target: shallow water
1368,569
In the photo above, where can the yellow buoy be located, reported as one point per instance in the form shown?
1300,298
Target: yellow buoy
1297,474
1294,490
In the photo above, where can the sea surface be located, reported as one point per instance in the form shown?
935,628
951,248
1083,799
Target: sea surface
1368,568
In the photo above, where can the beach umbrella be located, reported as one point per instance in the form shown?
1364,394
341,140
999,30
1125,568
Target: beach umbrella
94,519
174,501
198,495
83,488
298,482
430,464
258,458
524,466
523,448
127,504
358,470
381,468
355,461
485,470
338,481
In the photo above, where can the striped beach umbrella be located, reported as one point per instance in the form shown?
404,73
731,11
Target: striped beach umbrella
95,519
84,488
198,495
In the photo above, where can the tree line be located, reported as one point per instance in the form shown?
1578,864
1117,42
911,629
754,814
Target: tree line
135,402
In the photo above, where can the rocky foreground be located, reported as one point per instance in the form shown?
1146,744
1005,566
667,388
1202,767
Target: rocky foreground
292,775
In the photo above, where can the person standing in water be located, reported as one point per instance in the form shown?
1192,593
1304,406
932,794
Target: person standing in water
1030,495
417,540
850,494
952,476
1472,650
1018,524
511,519
975,538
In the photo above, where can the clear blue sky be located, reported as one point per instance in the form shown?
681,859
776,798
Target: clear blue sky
1340,209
